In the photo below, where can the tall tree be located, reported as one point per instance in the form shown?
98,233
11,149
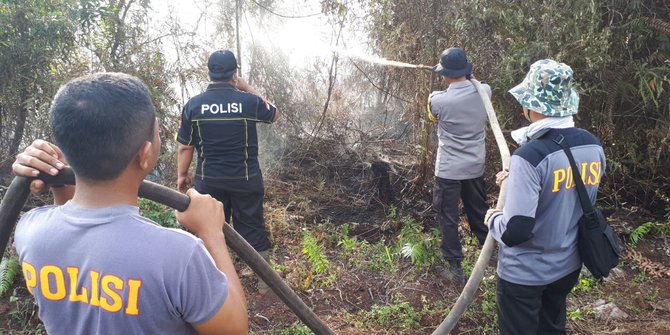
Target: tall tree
36,40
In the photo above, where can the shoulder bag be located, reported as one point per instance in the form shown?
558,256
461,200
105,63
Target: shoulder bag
599,247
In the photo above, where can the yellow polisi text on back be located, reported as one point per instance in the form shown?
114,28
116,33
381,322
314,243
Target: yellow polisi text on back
107,291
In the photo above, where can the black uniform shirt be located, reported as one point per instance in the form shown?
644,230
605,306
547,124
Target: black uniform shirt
221,124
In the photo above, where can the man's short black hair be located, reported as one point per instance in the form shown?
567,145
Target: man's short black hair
100,121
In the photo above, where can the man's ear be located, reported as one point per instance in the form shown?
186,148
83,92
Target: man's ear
144,155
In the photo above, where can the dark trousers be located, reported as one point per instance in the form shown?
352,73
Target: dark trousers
243,201
446,195
534,310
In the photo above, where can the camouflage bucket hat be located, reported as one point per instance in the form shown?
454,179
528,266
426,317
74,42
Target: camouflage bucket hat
547,89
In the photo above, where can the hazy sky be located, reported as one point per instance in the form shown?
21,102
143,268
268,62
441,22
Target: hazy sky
302,38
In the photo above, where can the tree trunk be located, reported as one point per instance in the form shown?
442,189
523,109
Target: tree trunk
19,128
381,178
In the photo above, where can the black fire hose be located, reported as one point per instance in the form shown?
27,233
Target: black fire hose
18,192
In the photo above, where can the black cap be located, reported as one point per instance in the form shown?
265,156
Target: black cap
453,64
222,65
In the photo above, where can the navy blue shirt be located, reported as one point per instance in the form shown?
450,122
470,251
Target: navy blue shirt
221,124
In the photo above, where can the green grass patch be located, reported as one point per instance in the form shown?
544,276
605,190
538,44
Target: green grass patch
158,213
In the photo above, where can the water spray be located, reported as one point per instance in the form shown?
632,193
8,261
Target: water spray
379,60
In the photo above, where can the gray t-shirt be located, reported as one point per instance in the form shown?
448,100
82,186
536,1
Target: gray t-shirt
461,131
537,229
112,271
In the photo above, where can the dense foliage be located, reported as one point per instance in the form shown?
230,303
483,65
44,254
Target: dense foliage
45,43
36,41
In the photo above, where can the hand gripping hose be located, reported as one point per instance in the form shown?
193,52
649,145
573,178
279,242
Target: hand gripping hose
18,192
468,293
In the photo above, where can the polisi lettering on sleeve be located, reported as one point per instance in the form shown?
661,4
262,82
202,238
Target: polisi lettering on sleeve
229,108
106,291
563,180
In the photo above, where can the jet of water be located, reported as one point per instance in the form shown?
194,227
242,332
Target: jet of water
378,60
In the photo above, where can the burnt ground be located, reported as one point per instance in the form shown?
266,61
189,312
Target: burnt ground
367,287
638,287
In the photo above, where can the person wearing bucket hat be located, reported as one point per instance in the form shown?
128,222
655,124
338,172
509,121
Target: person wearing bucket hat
221,124
453,64
459,168
538,260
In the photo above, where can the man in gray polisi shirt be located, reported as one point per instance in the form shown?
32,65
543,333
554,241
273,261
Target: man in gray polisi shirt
92,262
459,167
538,262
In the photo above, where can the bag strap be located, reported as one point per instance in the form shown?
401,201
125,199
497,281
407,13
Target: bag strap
587,207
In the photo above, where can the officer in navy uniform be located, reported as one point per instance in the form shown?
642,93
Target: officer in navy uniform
220,124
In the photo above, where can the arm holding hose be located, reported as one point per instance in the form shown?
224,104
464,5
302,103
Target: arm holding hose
500,177
43,157
184,158
242,85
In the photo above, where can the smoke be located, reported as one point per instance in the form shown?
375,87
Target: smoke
372,116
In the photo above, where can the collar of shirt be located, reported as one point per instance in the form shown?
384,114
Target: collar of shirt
459,84
97,215
220,86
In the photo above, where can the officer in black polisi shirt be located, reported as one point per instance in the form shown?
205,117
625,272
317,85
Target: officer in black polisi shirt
220,124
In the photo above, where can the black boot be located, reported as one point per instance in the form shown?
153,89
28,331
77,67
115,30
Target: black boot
453,273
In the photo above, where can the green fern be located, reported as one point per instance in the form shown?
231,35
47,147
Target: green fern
420,247
317,258
640,232
9,268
